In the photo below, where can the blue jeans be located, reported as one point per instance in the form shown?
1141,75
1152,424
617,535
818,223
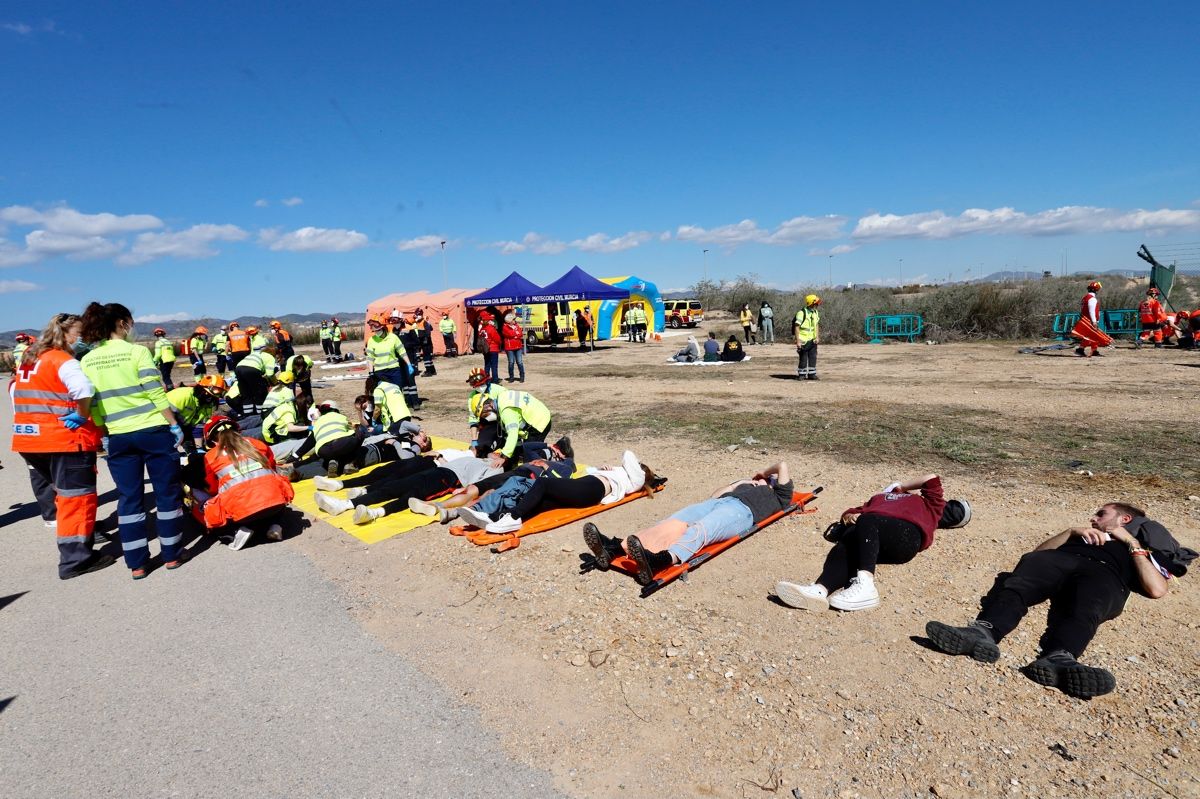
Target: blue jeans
504,498
709,522
491,365
516,358
129,456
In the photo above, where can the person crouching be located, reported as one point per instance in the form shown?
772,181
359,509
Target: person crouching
247,493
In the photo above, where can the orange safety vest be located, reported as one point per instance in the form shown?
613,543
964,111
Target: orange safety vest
1083,308
1150,311
282,336
239,341
243,486
39,398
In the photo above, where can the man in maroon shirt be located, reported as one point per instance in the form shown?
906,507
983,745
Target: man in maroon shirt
1087,574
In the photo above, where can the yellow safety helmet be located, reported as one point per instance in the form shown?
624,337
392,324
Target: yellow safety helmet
811,300
285,377
478,401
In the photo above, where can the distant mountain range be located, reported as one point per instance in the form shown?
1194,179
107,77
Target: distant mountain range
180,329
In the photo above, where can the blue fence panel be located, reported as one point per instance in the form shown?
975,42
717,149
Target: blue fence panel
904,325
1117,322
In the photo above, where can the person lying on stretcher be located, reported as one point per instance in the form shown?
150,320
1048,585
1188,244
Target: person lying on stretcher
422,477
522,496
731,511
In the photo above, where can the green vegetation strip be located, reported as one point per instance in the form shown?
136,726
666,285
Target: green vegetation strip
939,435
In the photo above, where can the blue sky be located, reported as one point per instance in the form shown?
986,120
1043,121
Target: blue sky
210,159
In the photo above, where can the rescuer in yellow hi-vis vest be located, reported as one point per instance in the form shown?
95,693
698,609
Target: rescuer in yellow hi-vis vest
807,328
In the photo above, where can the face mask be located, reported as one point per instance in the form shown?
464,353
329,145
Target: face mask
490,416
79,349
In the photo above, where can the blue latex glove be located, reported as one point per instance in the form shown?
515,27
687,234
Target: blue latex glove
412,370
72,421
177,431
104,444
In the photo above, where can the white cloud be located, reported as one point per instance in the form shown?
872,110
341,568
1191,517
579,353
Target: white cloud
531,242
292,202
792,231
425,245
261,203
313,239
664,236
194,242
159,318
12,255
599,242
840,249
11,286
25,29
18,27
1068,220
70,222
44,244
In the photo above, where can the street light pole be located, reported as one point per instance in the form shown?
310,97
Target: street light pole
830,287
706,266
445,274
901,273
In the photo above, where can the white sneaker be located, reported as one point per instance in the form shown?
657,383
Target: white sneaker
474,517
366,515
332,505
327,484
805,597
505,524
354,493
240,538
637,478
861,594
274,533
422,507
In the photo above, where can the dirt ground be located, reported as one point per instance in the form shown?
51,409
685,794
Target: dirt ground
709,688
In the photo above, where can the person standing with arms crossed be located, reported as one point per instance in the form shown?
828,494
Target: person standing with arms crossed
807,329
131,407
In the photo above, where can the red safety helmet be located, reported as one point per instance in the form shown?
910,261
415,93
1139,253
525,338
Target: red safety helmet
215,425
21,338
158,331
334,320
1094,286
1152,292
477,378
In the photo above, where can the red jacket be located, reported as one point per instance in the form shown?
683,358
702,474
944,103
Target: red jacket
514,336
924,509
491,338
242,487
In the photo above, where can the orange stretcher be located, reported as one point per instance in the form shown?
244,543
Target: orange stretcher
1088,335
547,520
624,563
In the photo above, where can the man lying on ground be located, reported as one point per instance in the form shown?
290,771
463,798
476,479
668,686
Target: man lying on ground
731,511
891,527
1087,574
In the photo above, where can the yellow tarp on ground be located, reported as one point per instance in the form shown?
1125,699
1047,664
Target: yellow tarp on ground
380,529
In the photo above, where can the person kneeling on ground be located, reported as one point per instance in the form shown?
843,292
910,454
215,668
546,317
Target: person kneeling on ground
731,511
523,496
1087,574
245,494
892,527
690,352
334,440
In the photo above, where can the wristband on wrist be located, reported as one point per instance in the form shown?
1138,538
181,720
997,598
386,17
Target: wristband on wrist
1145,552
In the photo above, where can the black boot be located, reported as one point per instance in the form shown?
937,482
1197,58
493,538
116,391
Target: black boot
1061,670
649,563
975,640
603,548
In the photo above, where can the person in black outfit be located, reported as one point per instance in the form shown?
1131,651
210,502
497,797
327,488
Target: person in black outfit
1086,573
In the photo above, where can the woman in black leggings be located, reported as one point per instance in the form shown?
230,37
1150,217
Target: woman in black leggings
392,485
891,527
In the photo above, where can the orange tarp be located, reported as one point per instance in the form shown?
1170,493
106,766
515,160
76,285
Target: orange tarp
449,301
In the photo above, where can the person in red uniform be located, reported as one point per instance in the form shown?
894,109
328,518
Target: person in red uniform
891,527
1152,317
247,493
54,433
1087,330
491,342
514,345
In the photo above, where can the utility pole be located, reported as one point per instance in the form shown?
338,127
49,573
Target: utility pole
901,273
830,287
706,266
445,274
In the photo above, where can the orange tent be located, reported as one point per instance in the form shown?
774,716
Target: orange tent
449,302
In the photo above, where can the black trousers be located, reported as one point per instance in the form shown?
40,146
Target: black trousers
396,470
395,493
235,358
808,358
1083,594
451,347
165,370
222,363
554,492
873,539
252,385
327,346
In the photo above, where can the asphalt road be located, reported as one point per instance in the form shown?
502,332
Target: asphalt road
238,675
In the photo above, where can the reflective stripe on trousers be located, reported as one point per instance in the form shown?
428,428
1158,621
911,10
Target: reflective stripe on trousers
131,456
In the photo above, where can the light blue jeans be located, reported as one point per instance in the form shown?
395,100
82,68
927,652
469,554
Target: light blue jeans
709,522
504,498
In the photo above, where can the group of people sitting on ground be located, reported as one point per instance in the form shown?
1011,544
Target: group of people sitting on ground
713,351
